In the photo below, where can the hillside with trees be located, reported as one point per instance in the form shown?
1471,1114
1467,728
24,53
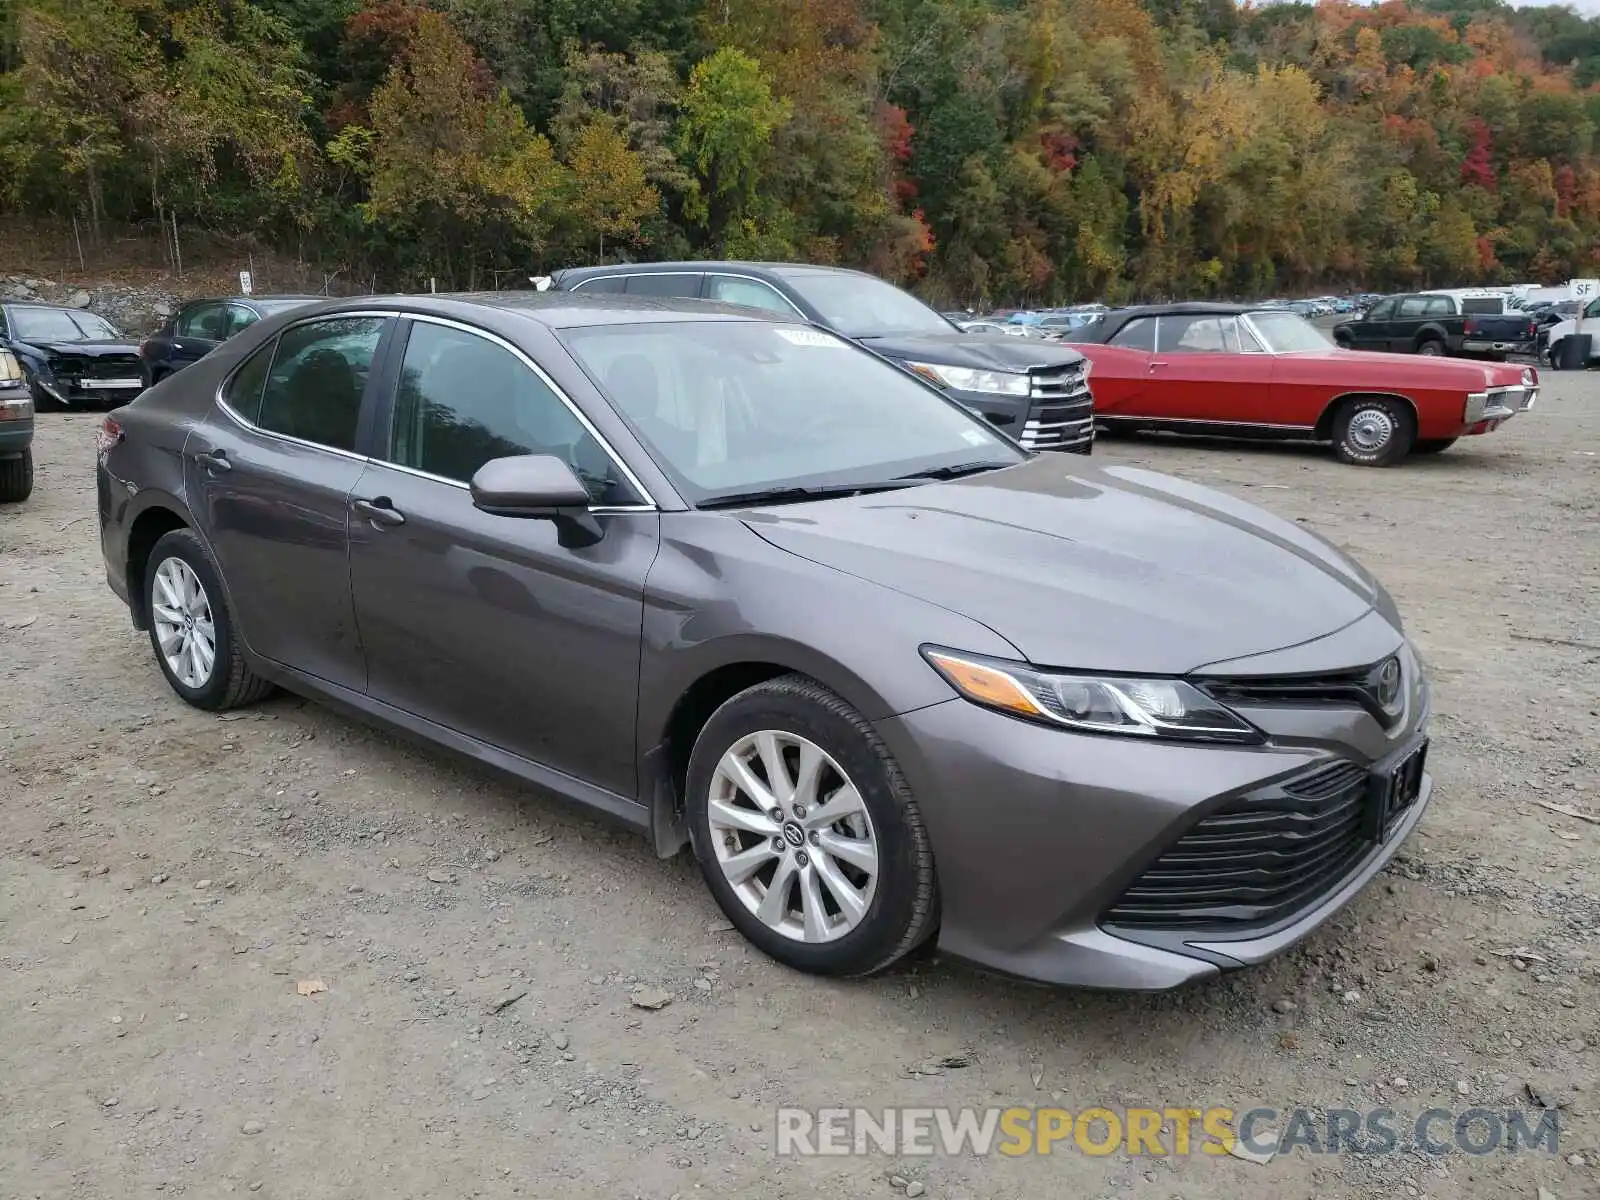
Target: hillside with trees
989,150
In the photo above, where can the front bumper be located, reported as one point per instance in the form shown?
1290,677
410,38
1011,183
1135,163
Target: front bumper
1037,833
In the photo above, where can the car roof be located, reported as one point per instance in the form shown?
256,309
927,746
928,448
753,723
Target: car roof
1107,325
778,269
560,310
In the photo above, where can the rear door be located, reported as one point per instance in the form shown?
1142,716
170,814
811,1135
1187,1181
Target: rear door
1409,316
199,329
271,470
1209,368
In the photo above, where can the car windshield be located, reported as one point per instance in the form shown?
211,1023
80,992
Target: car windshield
58,325
728,408
1287,332
861,306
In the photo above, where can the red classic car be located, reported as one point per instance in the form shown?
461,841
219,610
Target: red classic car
1235,371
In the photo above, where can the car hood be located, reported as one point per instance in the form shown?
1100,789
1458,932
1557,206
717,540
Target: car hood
1115,569
982,351
94,349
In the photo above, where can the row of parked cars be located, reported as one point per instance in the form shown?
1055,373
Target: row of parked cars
1252,371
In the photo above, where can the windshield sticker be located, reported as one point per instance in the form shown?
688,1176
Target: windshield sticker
974,438
808,337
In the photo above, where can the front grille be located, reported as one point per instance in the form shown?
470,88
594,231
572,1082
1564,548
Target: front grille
1257,860
1061,409
109,366
1357,687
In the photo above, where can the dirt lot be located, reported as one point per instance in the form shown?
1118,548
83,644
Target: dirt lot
169,878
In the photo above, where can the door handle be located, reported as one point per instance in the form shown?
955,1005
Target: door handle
214,460
177,345
381,512
1154,365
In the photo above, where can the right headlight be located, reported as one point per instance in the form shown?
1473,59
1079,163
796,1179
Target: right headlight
1130,705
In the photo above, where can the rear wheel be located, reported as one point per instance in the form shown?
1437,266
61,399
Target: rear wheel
1373,431
1432,445
191,629
1432,347
16,478
807,833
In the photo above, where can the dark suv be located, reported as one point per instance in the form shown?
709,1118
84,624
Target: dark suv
1035,391
200,326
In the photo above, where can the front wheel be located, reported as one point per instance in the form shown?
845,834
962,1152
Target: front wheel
191,629
807,833
1373,431
16,478
1432,445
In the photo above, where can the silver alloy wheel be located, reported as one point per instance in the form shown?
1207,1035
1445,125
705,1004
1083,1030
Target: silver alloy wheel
184,628
793,836
1370,430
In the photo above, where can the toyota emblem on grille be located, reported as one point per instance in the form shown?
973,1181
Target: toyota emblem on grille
1389,685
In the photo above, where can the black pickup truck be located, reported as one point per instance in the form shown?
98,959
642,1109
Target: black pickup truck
1464,325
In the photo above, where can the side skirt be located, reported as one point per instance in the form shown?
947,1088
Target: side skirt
629,812
1220,429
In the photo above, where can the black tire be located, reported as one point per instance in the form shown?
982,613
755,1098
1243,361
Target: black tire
231,682
1432,347
904,908
1432,445
16,478
1343,341
1353,437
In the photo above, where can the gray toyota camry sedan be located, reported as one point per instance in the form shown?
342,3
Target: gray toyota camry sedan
747,587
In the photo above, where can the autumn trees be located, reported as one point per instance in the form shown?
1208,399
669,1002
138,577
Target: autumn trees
1021,151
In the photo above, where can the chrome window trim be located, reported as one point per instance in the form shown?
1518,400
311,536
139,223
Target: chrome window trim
706,274
601,509
761,283
277,338
650,504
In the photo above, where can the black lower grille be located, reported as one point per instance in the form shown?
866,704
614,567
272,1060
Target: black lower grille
104,366
1257,860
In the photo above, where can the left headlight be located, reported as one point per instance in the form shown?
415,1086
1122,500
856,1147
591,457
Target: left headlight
1140,707
969,379
10,369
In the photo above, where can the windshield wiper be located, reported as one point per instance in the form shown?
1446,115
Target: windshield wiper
955,471
792,495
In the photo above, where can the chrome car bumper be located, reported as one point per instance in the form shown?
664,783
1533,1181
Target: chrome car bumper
1497,404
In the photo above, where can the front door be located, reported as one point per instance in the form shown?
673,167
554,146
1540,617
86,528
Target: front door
485,624
272,473
1207,367
1372,331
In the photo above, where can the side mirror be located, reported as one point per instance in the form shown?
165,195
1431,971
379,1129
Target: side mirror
537,487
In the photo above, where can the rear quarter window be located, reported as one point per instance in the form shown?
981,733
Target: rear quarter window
243,392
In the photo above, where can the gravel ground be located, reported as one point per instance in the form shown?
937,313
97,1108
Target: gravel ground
171,878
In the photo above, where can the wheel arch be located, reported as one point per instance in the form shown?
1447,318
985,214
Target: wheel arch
668,741
1324,427
159,518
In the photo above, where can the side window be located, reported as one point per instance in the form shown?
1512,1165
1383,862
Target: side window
1440,306
750,293
1381,311
1413,306
239,317
1195,335
314,389
465,400
4,332
663,284
205,320
1138,334
601,284
1248,342
1593,310
243,392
